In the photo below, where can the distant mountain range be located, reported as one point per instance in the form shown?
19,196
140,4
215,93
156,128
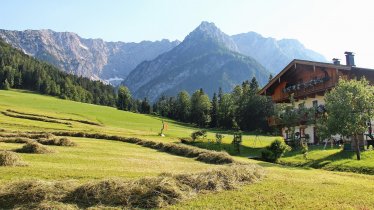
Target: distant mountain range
207,58
92,58
271,53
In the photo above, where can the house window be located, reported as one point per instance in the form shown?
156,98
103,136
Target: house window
315,103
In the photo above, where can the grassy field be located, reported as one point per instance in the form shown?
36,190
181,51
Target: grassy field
294,188
97,159
332,159
282,188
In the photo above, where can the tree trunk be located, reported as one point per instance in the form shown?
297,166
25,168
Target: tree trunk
358,152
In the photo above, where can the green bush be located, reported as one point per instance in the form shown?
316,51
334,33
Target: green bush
275,150
219,138
198,134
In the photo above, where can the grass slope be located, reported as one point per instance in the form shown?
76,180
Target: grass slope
96,160
294,188
333,159
283,188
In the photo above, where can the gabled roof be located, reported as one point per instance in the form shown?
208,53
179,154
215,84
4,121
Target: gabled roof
311,63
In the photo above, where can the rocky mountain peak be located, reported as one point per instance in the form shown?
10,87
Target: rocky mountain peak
208,31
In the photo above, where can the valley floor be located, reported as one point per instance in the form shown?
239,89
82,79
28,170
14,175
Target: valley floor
282,188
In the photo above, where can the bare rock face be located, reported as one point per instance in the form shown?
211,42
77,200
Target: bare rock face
207,58
92,58
273,54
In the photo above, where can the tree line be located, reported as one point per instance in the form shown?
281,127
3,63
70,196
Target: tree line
241,109
18,70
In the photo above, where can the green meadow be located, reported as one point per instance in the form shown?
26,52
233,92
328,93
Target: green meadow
283,187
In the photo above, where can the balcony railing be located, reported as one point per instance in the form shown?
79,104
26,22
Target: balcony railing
302,90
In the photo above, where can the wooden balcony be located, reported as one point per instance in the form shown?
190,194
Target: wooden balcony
305,91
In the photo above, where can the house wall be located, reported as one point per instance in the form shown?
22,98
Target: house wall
297,80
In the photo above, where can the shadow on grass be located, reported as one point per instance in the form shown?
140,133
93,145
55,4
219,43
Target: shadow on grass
339,161
245,151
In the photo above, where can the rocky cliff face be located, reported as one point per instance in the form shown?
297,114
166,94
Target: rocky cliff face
273,54
207,58
92,58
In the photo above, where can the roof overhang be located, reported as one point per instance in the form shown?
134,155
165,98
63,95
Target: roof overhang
303,62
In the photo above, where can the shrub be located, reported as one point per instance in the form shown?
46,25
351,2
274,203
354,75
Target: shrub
219,138
275,150
237,141
34,147
186,140
8,158
198,134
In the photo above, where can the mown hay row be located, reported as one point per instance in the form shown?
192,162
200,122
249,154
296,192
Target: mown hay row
32,192
202,155
26,135
42,119
152,192
57,142
42,138
55,118
17,140
34,147
8,158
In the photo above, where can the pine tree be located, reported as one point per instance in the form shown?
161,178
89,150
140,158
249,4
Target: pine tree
270,77
253,85
214,112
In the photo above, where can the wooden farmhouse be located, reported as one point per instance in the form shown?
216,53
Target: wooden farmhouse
309,81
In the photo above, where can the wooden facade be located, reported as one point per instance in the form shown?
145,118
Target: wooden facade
309,81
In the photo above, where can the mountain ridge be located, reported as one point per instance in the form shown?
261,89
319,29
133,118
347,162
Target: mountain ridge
204,54
114,61
92,58
272,53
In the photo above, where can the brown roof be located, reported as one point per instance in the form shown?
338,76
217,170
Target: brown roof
312,63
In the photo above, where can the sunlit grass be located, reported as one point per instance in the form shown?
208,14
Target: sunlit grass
97,159
283,188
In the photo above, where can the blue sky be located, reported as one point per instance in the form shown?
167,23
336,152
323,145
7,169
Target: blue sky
326,26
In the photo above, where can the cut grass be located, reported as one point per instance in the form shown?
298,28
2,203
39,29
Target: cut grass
8,158
151,192
55,118
34,147
97,159
293,188
283,188
31,117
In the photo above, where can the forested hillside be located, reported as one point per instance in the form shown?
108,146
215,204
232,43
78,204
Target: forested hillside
18,70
